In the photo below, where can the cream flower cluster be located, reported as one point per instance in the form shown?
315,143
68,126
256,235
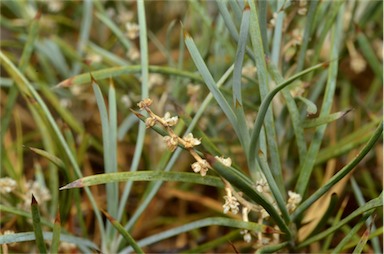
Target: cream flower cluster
233,200
172,140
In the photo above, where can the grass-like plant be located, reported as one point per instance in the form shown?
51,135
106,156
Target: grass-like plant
193,126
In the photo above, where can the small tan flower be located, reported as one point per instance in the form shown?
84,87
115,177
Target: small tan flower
7,185
192,90
262,186
171,142
132,30
293,200
231,202
201,166
144,103
170,121
190,141
225,161
150,121
246,235
133,53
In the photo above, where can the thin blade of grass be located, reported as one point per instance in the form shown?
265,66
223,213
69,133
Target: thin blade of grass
85,30
307,166
230,24
56,234
265,104
37,226
372,204
85,245
123,70
209,81
112,152
295,121
220,221
310,17
105,134
236,85
144,94
370,220
115,29
352,233
279,196
262,74
52,158
124,233
347,143
340,174
144,176
369,54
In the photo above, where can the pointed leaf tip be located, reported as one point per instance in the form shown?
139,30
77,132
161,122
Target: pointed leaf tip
65,83
72,185
34,201
57,219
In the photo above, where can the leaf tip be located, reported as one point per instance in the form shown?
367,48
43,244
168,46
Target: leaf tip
74,184
38,15
66,83
34,201
57,219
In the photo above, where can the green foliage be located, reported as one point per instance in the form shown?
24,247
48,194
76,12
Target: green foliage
276,106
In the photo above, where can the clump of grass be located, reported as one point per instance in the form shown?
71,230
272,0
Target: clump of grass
214,126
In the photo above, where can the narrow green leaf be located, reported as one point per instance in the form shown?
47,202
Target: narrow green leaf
115,29
273,186
144,176
52,158
144,94
307,33
373,204
306,167
124,233
357,190
209,81
124,70
315,122
347,143
220,221
339,175
243,38
56,234
236,85
85,30
85,245
295,121
369,54
267,101
348,238
37,226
